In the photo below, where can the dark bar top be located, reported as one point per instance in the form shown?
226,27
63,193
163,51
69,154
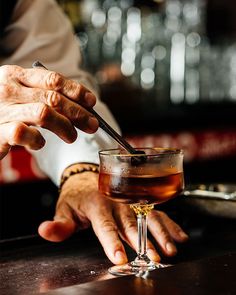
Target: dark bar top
206,264
207,276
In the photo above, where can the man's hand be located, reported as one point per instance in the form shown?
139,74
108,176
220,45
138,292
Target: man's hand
80,204
37,97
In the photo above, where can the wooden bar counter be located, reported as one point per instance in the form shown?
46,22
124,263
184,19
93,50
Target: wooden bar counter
207,276
206,264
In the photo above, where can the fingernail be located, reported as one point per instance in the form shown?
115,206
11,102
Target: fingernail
171,248
120,257
93,123
183,235
90,99
152,254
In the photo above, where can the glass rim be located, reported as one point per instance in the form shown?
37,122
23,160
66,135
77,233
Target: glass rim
169,151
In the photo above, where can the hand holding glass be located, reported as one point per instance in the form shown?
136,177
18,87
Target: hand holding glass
157,179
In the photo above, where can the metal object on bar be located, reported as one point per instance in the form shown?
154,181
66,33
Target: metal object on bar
212,199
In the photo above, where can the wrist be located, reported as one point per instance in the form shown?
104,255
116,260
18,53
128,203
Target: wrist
77,168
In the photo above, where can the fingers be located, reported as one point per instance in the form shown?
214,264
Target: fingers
57,231
174,229
78,115
61,228
127,225
85,207
106,230
49,80
12,91
110,221
165,231
17,133
39,114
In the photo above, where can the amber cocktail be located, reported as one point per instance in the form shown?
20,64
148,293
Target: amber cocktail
141,184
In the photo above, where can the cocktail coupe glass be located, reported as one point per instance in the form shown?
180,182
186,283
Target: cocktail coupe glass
157,178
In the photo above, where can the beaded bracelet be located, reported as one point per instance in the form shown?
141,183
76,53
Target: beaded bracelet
87,168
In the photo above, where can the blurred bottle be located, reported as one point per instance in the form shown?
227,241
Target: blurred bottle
161,47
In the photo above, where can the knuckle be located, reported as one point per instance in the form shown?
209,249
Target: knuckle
54,81
164,234
6,90
53,99
80,89
109,226
130,225
42,114
78,114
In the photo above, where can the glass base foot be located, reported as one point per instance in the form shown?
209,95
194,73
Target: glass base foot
132,269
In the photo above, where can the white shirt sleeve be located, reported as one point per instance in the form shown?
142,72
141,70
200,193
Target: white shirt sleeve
40,31
57,155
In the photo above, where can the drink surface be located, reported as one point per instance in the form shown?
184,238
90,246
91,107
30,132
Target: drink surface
143,189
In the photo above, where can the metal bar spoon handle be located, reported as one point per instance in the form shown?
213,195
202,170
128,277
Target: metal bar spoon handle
105,126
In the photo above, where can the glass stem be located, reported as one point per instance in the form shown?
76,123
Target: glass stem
142,235
141,212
